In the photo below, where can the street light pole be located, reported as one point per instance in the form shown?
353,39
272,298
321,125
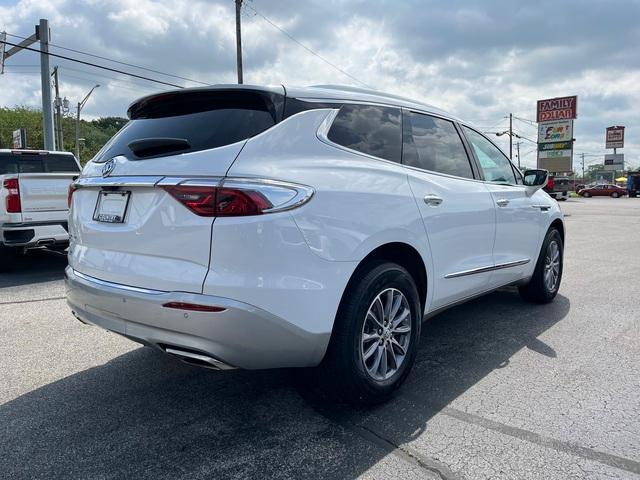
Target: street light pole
239,39
80,105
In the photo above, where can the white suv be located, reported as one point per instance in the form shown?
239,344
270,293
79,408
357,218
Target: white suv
263,227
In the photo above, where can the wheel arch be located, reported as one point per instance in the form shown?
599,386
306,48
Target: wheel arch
558,225
404,255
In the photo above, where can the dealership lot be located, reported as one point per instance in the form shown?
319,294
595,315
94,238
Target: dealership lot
501,388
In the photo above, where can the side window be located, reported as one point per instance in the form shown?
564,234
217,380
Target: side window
369,129
494,164
433,144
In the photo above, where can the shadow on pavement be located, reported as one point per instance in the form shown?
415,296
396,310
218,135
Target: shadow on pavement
36,266
142,415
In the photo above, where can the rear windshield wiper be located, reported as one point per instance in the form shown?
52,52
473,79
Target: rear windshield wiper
149,147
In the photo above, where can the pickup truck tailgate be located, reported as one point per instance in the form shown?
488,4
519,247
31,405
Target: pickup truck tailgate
44,196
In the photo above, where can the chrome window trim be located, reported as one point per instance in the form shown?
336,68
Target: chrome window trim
491,268
324,127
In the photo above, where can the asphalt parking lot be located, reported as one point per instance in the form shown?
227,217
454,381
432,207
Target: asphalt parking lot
501,388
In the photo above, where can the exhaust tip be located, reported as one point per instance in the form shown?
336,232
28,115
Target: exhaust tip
197,358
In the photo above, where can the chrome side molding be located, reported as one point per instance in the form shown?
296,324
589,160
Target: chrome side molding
498,266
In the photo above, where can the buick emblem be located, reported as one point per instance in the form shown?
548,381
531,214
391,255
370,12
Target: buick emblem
108,167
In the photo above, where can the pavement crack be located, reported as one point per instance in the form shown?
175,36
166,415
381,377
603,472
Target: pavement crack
16,302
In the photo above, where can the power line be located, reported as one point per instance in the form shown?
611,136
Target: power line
118,61
117,80
293,39
96,65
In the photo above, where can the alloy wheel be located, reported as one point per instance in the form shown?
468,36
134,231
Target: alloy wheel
386,334
552,266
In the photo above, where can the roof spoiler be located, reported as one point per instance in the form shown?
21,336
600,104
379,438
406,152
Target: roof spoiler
200,99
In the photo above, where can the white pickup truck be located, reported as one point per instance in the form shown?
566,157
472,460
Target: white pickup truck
34,208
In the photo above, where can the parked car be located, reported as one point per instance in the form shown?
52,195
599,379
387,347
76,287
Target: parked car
263,227
558,187
603,190
33,200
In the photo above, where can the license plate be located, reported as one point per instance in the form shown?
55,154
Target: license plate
111,207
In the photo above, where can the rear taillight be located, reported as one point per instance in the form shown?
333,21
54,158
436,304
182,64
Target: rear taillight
550,183
238,198
13,195
72,188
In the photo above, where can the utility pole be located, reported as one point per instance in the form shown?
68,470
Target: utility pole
518,150
582,155
80,105
42,31
42,35
239,40
511,136
58,104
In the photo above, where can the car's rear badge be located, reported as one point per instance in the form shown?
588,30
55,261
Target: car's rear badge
108,167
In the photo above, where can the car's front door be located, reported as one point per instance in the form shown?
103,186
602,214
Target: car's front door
457,210
519,218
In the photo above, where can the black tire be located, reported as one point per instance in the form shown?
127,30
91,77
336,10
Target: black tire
538,290
586,194
343,372
7,258
615,194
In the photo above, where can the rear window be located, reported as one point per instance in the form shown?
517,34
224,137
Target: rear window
205,119
29,163
369,129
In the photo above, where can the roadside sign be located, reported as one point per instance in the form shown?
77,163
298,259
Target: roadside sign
556,160
560,108
614,161
615,137
19,138
543,147
557,131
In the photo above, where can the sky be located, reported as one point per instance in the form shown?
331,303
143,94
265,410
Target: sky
479,60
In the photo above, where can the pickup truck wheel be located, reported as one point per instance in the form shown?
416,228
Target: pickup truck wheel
7,258
545,282
375,336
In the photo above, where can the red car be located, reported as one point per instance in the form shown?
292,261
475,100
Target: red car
603,190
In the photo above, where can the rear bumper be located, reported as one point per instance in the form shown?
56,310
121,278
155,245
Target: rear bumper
241,336
34,234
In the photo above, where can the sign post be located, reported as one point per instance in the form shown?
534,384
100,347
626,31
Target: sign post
555,133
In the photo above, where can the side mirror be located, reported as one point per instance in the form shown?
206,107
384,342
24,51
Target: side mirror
535,179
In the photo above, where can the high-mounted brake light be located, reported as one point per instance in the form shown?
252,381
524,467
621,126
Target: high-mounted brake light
236,198
13,195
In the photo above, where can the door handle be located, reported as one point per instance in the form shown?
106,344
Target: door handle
542,208
503,202
432,200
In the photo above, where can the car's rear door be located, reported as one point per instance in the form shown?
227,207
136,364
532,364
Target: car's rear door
457,210
519,218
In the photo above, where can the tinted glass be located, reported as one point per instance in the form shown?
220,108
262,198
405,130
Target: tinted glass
369,129
60,163
204,119
434,144
28,163
494,164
